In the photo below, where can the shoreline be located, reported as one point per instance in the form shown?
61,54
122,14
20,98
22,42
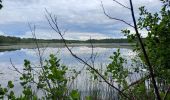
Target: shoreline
17,46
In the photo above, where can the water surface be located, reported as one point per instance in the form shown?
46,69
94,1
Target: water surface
83,81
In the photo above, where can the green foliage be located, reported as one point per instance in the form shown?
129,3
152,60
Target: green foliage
157,42
116,69
157,45
7,92
51,79
88,98
75,95
10,84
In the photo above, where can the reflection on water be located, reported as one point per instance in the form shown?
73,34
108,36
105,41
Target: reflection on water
83,81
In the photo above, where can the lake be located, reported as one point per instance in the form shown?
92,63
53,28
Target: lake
84,82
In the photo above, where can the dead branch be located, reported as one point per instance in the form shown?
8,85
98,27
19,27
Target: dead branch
113,18
16,69
40,56
52,20
121,4
137,82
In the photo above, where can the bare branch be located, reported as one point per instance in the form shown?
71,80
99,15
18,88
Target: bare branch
121,4
40,56
121,20
137,82
16,69
65,32
76,75
36,42
53,21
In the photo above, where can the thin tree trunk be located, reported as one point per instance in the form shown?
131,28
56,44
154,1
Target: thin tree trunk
145,54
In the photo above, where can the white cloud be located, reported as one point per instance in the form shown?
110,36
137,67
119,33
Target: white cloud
1,33
41,34
143,32
85,36
50,34
70,12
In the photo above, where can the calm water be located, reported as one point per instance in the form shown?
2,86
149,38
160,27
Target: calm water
83,81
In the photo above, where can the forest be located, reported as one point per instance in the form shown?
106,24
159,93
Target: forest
13,40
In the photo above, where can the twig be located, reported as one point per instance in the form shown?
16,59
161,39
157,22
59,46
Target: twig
76,75
57,30
121,4
137,82
14,67
40,56
121,20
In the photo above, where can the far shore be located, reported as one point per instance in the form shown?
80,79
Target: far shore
16,46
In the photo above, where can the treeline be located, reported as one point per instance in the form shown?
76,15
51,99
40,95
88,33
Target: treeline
10,39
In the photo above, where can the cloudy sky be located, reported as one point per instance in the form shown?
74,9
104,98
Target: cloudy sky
81,18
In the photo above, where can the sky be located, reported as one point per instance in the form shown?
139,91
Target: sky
81,19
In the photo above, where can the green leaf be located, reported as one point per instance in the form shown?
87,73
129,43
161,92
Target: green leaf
88,98
10,84
75,95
